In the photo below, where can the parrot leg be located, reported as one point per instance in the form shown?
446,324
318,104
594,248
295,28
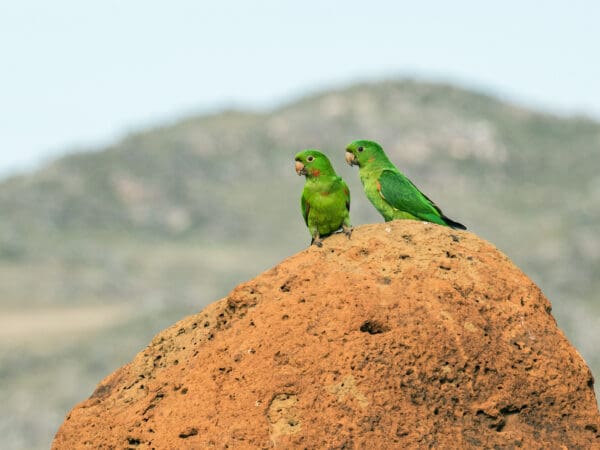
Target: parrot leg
347,230
316,240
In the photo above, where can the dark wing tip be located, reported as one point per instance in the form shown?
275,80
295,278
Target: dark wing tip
454,224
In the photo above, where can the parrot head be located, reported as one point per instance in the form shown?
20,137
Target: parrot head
312,164
362,153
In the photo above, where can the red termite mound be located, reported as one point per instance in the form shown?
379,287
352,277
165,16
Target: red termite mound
407,335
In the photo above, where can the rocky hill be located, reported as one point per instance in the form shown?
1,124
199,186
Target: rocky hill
409,335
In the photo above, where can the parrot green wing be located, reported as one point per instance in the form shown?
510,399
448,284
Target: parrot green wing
346,194
403,195
305,206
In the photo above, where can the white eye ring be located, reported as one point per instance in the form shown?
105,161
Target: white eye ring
310,159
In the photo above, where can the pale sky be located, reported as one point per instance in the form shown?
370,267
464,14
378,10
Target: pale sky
81,74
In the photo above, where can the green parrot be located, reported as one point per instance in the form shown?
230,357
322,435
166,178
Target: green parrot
325,201
392,194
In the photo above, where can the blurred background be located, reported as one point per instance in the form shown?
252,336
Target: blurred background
146,159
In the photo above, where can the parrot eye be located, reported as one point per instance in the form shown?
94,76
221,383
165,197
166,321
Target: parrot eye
310,159
360,149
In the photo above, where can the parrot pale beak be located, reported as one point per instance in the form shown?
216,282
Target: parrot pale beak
351,159
300,170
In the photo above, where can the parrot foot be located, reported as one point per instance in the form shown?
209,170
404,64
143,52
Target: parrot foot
316,240
348,231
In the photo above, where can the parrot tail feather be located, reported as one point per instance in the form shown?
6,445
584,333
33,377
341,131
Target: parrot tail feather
453,224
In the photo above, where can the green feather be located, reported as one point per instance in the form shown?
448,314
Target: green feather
403,195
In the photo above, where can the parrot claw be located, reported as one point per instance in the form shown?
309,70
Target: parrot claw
316,240
348,231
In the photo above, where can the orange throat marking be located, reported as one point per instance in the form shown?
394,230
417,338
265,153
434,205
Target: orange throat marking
316,173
